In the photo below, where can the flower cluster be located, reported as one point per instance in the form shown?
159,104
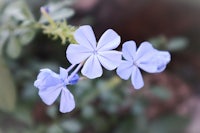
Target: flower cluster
90,56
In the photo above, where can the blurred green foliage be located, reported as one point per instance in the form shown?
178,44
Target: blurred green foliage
105,105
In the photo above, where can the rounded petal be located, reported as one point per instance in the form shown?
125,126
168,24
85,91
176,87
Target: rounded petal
110,59
129,50
77,53
155,62
144,49
92,68
125,69
47,78
84,35
136,78
49,95
67,102
109,40
165,56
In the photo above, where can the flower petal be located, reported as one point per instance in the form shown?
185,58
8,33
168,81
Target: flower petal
77,53
129,50
84,35
50,94
144,49
109,40
125,69
136,78
110,59
67,102
154,62
92,68
63,73
46,78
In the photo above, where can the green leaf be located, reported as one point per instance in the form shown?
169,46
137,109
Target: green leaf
13,47
7,88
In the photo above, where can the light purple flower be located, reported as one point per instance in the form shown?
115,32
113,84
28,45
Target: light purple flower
146,58
94,54
51,84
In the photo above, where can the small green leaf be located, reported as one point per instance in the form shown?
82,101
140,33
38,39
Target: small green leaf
7,88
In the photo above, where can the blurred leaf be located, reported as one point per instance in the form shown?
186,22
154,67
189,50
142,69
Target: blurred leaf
88,111
25,35
29,92
13,47
161,92
177,44
54,129
158,42
54,6
138,107
3,38
58,11
59,15
71,125
168,124
7,88
18,20
23,115
2,4
52,111
18,10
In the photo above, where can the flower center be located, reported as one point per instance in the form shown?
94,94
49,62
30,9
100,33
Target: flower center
95,52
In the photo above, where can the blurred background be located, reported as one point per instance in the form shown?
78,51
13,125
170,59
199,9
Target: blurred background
168,103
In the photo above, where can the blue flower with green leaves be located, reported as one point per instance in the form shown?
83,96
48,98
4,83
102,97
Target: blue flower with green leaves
91,55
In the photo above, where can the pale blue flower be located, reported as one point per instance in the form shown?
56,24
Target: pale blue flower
51,84
146,58
94,54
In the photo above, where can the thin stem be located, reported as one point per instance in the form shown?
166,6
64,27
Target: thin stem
47,16
70,68
75,71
